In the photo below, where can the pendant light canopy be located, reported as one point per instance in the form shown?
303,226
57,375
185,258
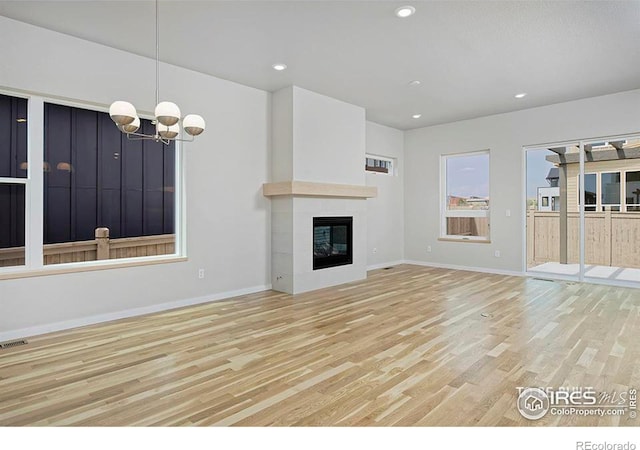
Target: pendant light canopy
167,114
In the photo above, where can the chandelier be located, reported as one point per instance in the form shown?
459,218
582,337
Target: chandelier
167,114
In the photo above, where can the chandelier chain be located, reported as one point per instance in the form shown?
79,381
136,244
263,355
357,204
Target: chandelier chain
157,56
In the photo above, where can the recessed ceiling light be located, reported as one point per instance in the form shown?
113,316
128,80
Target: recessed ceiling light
414,83
417,116
21,120
521,95
405,11
279,66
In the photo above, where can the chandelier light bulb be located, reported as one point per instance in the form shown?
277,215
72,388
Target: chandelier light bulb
168,132
167,113
193,124
130,127
123,113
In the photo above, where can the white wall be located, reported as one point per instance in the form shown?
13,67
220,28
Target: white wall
504,135
227,217
328,139
282,135
385,213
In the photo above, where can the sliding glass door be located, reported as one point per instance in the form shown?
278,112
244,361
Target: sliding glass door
552,222
583,217
612,219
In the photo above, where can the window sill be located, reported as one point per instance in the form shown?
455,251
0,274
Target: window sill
60,269
473,241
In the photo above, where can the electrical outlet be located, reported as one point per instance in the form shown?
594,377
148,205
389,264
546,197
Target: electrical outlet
201,274
375,250
428,249
508,213
497,253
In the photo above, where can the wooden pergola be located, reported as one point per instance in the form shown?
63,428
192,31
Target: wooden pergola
563,157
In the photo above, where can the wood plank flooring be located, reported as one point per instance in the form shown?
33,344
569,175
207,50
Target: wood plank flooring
408,346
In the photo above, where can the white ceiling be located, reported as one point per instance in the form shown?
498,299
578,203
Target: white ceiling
471,57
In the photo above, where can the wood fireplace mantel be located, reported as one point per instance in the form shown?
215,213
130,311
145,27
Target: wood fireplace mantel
311,189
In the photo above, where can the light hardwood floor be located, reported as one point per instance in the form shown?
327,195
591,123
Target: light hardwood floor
408,346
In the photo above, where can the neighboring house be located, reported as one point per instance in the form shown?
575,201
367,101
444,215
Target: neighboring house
456,201
612,177
478,202
468,202
549,196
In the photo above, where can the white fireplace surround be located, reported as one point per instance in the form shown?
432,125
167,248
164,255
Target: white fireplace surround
292,243
318,146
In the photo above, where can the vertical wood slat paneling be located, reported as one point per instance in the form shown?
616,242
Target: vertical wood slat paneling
57,149
131,175
21,139
153,182
109,176
84,176
13,137
12,200
13,159
6,132
110,182
611,238
625,237
168,189
468,226
76,199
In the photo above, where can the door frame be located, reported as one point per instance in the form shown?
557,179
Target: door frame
581,271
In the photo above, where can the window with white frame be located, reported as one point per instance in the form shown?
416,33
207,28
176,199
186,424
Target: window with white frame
632,189
104,190
104,197
379,164
610,190
605,190
590,191
13,180
465,196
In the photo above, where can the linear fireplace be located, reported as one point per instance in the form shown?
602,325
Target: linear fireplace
332,241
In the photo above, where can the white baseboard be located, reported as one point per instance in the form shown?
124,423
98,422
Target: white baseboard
108,317
468,268
101,318
383,265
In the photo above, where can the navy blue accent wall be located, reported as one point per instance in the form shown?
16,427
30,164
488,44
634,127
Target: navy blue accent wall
96,177
13,137
13,164
12,201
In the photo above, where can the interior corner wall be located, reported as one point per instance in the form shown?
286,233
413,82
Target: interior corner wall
385,213
504,135
228,219
282,135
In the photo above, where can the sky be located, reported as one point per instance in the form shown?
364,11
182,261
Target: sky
468,176
537,170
